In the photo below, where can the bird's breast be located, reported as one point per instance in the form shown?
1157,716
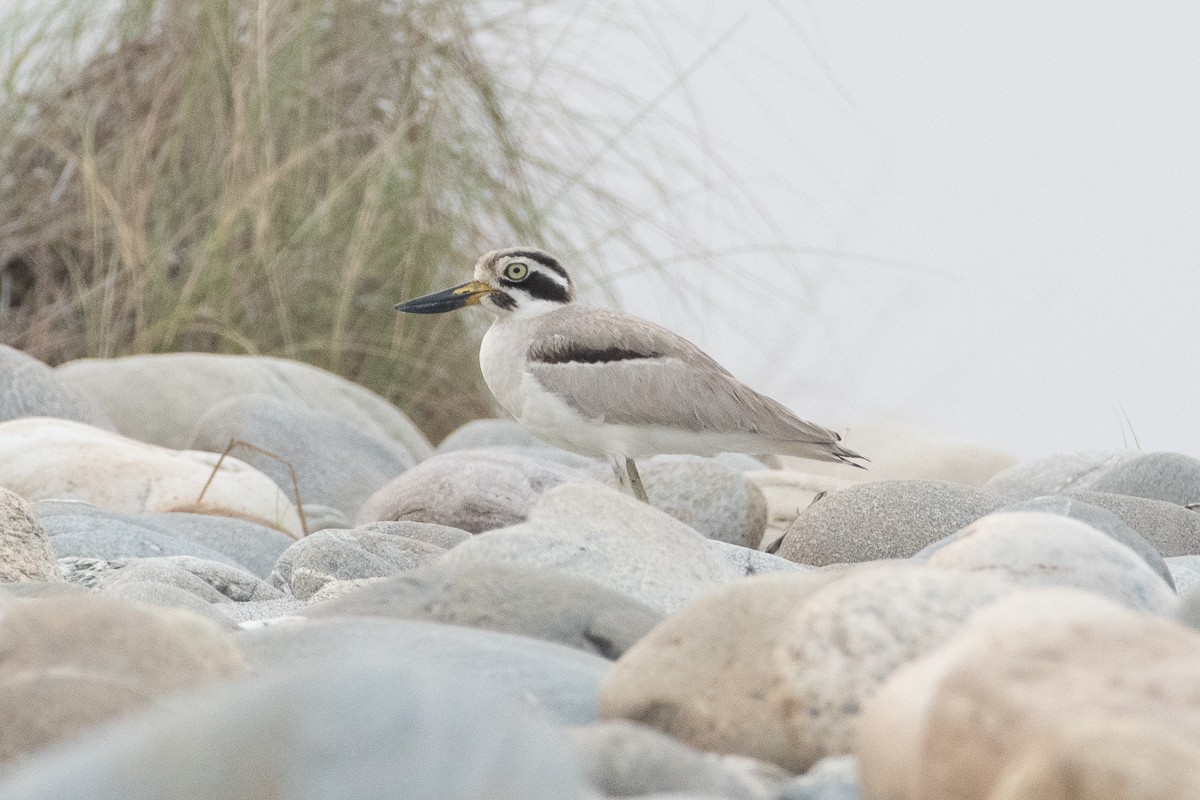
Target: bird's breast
502,360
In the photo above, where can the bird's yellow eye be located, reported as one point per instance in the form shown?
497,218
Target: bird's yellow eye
517,271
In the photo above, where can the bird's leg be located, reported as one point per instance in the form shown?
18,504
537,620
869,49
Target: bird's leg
635,481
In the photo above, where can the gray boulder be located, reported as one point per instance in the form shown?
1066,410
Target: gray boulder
255,547
1171,477
210,581
475,490
25,551
29,388
441,535
110,538
1069,472
163,595
334,730
888,519
338,555
1172,529
622,759
334,462
558,680
528,601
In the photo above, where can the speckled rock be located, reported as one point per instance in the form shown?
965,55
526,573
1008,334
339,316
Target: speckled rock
1172,529
1099,518
1055,474
25,551
329,731
1171,477
594,532
44,458
777,667
709,497
475,490
620,759
29,388
787,493
92,537
334,462
1035,549
441,535
331,555
1040,667
529,601
560,681
159,398
211,581
889,519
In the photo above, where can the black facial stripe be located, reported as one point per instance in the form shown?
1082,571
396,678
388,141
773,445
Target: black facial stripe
566,352
545,259
503,300
541,287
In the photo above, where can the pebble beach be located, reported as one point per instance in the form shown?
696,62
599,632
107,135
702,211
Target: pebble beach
338,609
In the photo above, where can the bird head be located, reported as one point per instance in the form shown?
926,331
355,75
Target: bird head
516,280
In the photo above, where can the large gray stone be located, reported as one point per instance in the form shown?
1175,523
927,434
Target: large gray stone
441,535
25,551
753,562
159,398
594,532
1172,529
1171,477
211,581
475,490
1035,549
116,537
621,759
1071,506
508,436
164,595
529,601
338,555
1054,474
334,462
704,494
559,680
381,730
29,388
888,519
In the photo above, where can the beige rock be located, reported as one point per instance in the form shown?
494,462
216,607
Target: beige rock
43,458
159,398
158,650
25,552
898,451
1036,549
778,666
1041,669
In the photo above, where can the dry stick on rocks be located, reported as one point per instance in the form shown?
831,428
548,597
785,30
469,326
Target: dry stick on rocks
295,484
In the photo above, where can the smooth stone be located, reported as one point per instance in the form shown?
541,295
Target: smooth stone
90,538
777,667
621,759
788,493
889,519
165,595
320,517
158,650
906,452
344,728
29,388
1185,570
211,581
334,462
1099,518
707,496
753,562
254,547
1173,530
557,680
508,436
159,398
1055,474
832,778
25,551
474,490
594,532
43,458
1034,549
39,708
1030,669
440,535
332,555
335,589
528,601
1170,477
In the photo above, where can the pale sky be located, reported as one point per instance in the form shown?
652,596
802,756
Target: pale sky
1034,169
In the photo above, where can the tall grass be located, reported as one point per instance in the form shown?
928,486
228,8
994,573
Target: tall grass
269,176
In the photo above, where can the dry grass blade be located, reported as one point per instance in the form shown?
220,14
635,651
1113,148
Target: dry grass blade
243,443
